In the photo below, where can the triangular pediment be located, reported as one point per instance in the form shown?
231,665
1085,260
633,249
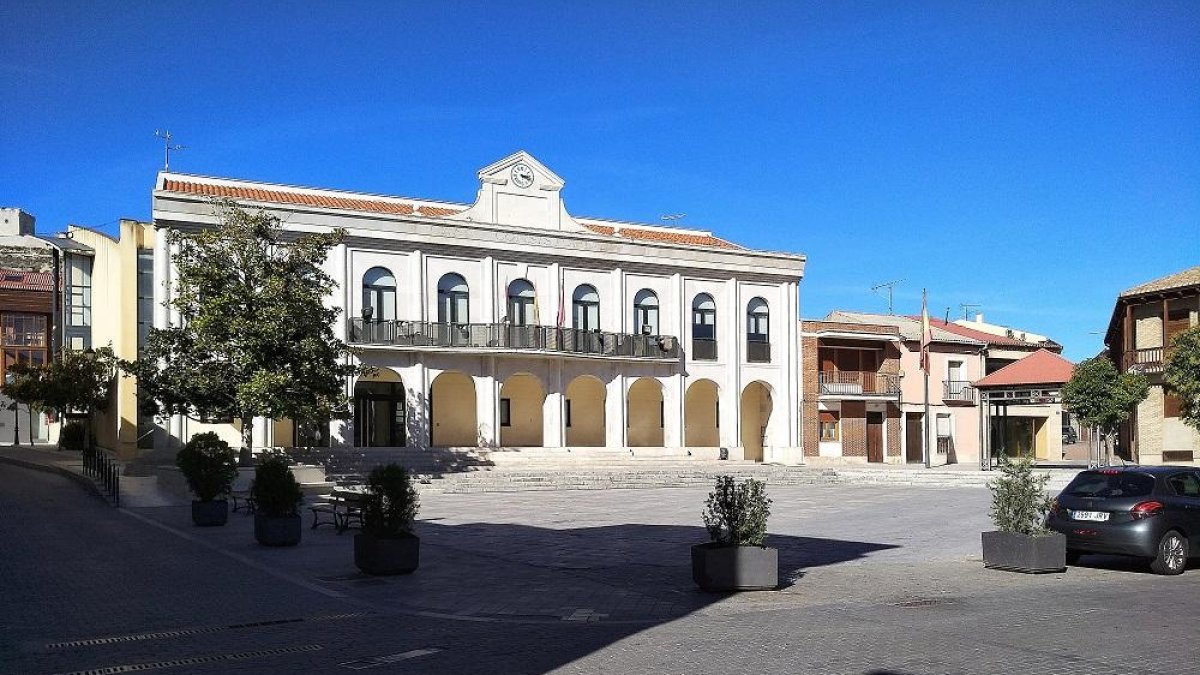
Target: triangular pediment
521,191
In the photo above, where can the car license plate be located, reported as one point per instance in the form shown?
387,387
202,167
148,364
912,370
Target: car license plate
1098,516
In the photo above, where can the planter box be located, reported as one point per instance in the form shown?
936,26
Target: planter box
735,568
386,555
1024,553
208,514
277,530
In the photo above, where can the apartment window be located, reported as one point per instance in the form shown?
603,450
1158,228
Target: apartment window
80,290
145,297
585,308
645,312
945,436
829,425
758,321
379,295
453,297
521,303
704,317
505,412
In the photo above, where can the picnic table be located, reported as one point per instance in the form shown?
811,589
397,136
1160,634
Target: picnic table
342,508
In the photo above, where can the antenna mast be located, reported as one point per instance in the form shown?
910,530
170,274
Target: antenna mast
967,307
166,137
890,286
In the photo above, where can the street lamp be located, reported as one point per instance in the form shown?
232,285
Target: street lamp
8,380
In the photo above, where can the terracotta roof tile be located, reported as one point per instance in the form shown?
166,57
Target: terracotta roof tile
301,198
660,235
982,336
20,280
1188,277
435,211
1040,367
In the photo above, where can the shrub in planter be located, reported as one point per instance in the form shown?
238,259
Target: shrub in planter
209,465
1019,508
386,544
277,497
73,436
736,558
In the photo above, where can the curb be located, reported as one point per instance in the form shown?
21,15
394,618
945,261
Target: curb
87,483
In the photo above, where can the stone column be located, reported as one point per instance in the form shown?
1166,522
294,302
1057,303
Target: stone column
553,429
487,405
614,412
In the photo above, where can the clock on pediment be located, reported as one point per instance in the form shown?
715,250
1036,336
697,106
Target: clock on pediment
522,175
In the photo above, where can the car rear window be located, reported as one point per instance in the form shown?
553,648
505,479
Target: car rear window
1115,484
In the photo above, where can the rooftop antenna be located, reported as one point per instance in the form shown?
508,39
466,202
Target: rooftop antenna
968,307
890,286
672,216
166,137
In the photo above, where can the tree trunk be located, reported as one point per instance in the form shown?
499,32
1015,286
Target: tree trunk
246,453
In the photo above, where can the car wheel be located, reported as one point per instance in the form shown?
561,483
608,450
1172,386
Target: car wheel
1073,556
1172,554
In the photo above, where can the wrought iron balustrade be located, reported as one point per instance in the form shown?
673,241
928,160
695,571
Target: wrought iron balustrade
704,349
758,352
508,337
958,390
855,382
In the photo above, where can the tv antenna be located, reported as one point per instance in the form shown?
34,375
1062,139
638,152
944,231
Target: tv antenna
890,286
168,146
967,307
672,216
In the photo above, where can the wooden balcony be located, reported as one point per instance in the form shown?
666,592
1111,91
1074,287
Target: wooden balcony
506,337
1143,360
857,383
958,391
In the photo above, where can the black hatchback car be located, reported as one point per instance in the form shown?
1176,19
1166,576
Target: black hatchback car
1152,512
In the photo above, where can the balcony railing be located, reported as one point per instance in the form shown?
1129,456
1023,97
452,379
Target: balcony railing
506,337
959,391
857,382
1144,359
758,352
704,349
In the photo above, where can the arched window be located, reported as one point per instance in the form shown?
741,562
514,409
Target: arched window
645,312
585,308
704,317
452,300
521,303
757,321
379,295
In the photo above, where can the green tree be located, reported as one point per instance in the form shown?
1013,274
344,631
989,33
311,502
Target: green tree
1103,398
254,337
1182,374
78,382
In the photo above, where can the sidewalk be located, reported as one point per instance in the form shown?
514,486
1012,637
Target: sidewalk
136,491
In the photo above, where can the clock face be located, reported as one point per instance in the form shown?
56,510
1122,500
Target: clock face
522,175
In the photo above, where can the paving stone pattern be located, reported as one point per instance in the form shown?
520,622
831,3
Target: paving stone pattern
882,579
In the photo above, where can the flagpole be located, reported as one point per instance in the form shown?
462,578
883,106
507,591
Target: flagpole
925,371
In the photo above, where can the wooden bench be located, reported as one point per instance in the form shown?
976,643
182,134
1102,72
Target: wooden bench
343,507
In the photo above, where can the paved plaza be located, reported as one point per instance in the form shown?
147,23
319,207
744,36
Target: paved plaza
879,579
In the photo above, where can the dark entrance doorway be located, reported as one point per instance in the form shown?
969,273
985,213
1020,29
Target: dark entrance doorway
912,439
875,437
379,415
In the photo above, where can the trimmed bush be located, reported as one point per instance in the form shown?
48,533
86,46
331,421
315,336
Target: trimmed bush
73,436
1019,501
391,502
275,489
208,464
736,513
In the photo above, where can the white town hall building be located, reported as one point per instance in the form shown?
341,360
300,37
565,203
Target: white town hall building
510,323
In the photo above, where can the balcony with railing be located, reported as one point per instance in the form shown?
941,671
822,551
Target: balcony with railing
507,337
958,391
857,383
704,349
758,352
1143,360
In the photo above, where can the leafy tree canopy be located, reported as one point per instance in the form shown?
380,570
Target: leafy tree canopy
1182,374
255,337
1102,397
80,381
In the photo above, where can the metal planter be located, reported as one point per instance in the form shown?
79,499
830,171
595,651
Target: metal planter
209,514
716,567
277,530
1025,553
387,555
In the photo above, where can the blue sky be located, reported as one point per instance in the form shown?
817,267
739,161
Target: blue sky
1034,158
